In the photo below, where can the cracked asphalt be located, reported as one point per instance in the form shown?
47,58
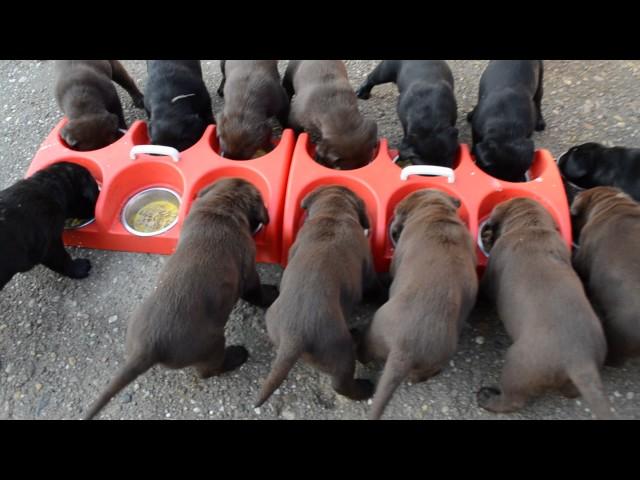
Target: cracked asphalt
61,340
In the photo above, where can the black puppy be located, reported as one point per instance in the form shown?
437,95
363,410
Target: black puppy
507,113
177,103
593,165
426,107
32,215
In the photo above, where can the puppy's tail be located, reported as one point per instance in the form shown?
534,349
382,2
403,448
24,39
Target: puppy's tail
395,371
286,358
586,378
127,374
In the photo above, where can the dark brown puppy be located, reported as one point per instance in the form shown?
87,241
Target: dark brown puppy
182,322
330,267
252,95
326,106
89,99
433,291
558,339
607,223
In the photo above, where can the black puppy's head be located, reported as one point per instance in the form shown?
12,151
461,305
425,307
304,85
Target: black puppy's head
337,196
579,163
237,194
81,189
241,138
179,132
91,132
419,200
506,160
438,147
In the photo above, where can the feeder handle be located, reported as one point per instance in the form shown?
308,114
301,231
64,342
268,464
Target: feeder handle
157,149
428,170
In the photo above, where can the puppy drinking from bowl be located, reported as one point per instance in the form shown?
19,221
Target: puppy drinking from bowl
426,107
326,106
85,93
252,95
330,267
558,341
177,103
182,322
433,291
507,113
32,217
606,223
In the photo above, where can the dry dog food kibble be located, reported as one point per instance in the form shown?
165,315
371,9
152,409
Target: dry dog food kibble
155,216
74,222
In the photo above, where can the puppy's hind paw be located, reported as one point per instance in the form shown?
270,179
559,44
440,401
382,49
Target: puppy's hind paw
269,295
540,125
138,101
486,395
364,389
363,93
234,356
79,268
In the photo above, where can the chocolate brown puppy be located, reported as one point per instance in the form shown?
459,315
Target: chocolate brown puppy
607,223
89,99
326,106
252,95
182,322
433,291
558,341
330,266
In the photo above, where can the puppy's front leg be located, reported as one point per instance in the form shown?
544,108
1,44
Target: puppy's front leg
385,72
122,78
257,294
537,100
59,260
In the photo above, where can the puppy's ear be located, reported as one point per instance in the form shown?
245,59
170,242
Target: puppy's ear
453,133
67,135
308,200
455,201
205,190
488,235
260,214
395,229
361,207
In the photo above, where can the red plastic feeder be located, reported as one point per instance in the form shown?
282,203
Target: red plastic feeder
123,172
381,187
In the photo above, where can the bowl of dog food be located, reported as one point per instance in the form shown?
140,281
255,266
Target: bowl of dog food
76,223
151,212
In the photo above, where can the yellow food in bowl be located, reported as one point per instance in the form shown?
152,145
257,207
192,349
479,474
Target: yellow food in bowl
74,222
259,153
155,216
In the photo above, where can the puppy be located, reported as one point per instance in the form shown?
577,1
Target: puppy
89,99
607,223
593,165
507,113
558,340
433,291
177,103
330,265
326,106
32,216
426,107
182,322
253,94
